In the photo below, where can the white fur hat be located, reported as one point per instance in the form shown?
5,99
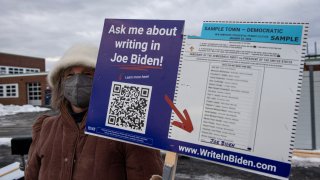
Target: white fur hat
77,55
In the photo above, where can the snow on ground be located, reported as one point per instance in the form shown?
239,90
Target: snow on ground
5,141
305,162
14,109
204,177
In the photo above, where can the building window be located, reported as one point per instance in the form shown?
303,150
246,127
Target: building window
3,70
1,91
10,70
34,91
17,70
9,91
31,70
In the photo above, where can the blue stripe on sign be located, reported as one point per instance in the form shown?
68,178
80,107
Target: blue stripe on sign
266,33
254,163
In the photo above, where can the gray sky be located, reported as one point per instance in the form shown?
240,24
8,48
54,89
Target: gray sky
44,28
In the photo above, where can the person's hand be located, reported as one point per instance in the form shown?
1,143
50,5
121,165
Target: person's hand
156,177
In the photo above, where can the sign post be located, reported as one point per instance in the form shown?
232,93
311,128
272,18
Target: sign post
170,166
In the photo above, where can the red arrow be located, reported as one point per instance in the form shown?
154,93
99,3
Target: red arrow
185,123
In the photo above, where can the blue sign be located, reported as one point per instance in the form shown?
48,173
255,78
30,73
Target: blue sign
137,67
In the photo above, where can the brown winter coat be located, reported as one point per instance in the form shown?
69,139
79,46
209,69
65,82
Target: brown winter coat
61,150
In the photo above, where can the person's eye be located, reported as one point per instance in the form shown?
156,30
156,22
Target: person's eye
88,74
69,75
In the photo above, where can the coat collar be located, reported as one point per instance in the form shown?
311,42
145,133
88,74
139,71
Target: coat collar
68,120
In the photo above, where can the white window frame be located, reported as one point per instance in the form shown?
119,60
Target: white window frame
35,92
19,70
4,89
3,70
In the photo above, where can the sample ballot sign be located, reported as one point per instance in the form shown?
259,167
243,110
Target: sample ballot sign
231,97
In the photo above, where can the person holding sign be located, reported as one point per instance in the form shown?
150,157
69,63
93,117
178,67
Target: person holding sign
61,150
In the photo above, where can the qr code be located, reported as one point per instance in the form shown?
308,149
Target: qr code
128,106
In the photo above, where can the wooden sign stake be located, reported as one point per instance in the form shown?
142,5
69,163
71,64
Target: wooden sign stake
170,166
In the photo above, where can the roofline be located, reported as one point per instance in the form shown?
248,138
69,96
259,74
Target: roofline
23,56
26,74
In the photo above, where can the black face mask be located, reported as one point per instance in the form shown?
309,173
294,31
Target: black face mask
77,90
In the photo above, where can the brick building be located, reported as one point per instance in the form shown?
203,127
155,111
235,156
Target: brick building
23,80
